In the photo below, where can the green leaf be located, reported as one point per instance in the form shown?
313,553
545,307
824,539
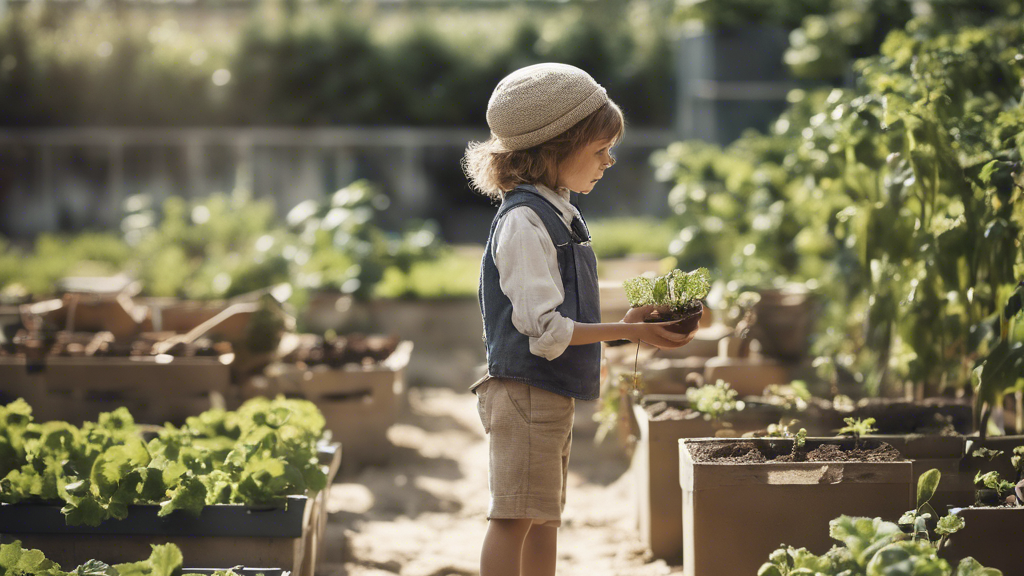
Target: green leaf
927,484
95,568
188,495
949,524
971,567
863,536
165,559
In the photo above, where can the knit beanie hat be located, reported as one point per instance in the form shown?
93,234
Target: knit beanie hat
534,104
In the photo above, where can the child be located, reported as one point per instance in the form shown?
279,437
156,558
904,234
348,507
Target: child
552,130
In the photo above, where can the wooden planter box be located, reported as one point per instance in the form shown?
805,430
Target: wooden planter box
656,467
988,536
78,389
735,515
222,535
359,403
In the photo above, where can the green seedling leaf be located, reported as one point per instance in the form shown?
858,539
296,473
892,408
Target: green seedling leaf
987,453
949,524
927,484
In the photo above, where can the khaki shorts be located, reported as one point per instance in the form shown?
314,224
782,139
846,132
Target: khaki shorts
531,434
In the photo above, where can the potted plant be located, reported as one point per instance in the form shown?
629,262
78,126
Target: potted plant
799,484
676,297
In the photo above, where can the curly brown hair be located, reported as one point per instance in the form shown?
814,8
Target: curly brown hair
493,170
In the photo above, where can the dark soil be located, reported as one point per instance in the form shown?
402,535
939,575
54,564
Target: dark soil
349,349
686,318
661,411
738,452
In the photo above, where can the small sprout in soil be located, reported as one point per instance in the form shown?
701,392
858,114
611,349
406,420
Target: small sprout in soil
713,400
800,440
987,453
857,428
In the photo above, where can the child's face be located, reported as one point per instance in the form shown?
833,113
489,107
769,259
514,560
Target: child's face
581,171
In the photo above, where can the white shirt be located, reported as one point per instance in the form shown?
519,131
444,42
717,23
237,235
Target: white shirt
528,274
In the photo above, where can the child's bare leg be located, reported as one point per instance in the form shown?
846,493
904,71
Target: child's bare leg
540,551
503,546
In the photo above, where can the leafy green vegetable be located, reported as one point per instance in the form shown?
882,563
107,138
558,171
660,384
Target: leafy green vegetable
677,289
259,454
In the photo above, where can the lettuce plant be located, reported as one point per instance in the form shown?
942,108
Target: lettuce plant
259,454
677,290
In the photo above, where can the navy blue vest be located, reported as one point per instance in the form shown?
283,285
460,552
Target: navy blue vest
576,373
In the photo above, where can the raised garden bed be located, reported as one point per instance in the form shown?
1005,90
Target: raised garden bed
663,420
739,509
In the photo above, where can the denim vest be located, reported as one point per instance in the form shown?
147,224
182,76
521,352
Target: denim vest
576,372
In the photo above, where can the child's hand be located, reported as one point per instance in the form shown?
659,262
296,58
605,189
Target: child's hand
638,314
656,334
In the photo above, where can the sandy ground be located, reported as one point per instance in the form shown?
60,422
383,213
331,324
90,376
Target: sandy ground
424,514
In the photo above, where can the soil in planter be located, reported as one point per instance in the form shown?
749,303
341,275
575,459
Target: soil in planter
748,452
102,344
342,350
661,411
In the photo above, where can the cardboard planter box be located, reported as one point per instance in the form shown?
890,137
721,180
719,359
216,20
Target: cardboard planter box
656,466
286,537
155,389
736,514
990,536
359,403
945,454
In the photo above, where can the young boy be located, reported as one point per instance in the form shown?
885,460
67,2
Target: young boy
552,131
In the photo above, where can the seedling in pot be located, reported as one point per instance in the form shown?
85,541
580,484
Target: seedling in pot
676,297
857,428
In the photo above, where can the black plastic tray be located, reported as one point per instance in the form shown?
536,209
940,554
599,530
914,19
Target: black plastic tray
214,520
239,570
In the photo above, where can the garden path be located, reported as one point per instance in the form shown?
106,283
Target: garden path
424,514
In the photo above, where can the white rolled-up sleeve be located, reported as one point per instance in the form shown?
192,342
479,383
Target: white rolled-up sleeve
528,274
